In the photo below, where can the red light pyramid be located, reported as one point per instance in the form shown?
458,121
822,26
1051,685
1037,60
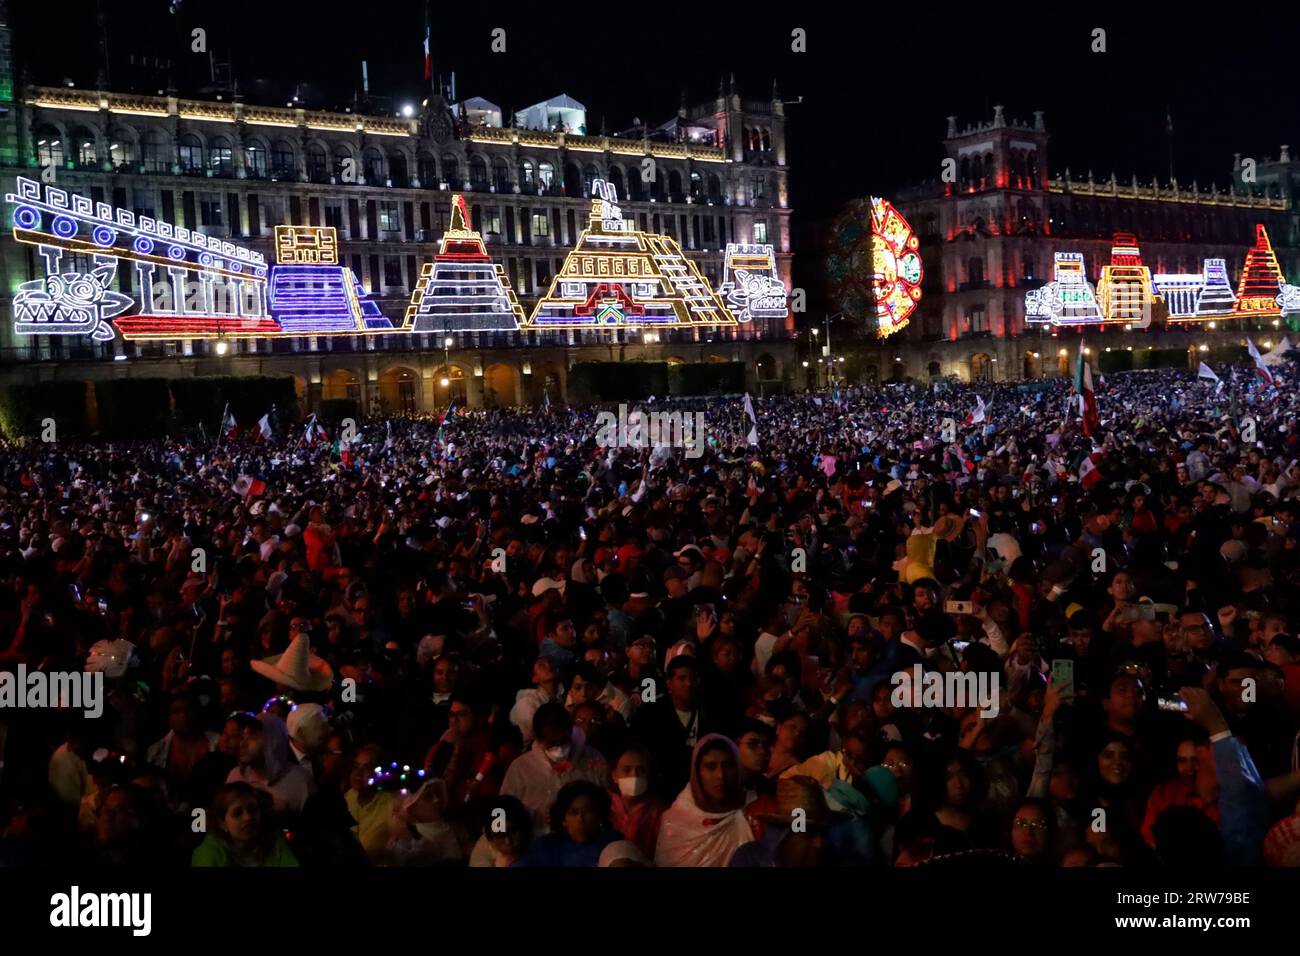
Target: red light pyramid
1261,279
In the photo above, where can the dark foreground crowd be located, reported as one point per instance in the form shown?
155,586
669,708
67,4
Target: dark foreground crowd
486,641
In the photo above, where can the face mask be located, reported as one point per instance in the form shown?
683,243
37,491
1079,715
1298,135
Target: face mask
556,754
633,786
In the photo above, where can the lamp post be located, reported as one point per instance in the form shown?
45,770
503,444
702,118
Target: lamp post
812,348
446,366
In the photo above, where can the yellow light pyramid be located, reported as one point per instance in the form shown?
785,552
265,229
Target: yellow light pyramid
618,276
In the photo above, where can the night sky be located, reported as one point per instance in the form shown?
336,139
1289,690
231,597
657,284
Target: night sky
876,87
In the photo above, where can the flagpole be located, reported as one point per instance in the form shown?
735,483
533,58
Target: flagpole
221,428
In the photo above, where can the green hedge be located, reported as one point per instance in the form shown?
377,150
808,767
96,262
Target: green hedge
707,378
617,381
334,410
133,407
23,407
201,400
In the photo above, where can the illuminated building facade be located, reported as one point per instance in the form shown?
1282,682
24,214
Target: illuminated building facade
997,230
381,188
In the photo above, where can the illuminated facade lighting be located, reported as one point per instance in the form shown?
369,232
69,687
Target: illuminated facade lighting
187,285
1069,299
462,289
750,283
1260,286
1124,290
620,277
896,271
1192,297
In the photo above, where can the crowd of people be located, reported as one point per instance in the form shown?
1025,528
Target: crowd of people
484,640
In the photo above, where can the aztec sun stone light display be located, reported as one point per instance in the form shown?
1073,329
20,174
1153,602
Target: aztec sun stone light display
874,265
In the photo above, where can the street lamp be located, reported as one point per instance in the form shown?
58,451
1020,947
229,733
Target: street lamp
223,347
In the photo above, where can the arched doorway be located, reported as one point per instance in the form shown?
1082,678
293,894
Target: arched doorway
448,385
981,367
399,391
1032,367
547,378
500,386
935,369
300,392
341,383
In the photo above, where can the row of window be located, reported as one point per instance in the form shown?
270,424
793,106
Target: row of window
253,215
155,155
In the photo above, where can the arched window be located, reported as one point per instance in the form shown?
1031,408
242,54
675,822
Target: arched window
501,175
255,165
546,175
755,140
1031,169
478,172
697,186
675,186
190,153
616,180
428,169
981,368
715,188
397,169
589,175
221,158
154,154
635,185
451,171
284,162
374,163
767,141
965,171
83,147
527,175
573,180
121,151
49,147
345,165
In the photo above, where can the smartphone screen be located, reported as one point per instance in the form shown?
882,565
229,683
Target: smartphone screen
1063,677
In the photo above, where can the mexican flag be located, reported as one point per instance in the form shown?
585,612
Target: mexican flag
1261,369
977,417
229,429
1087,398
1089,472
249,487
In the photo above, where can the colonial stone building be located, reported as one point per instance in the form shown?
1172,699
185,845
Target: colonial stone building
714,174
991,235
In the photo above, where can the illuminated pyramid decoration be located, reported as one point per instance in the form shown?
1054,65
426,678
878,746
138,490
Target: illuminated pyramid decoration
1124,290
1069,299
462,289
1261,279
1197,296
311,293
617,276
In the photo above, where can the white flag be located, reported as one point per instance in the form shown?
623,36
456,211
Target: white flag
1275,356
1260,368
753,420
1206,372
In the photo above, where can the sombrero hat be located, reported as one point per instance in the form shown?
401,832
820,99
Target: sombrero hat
297,667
